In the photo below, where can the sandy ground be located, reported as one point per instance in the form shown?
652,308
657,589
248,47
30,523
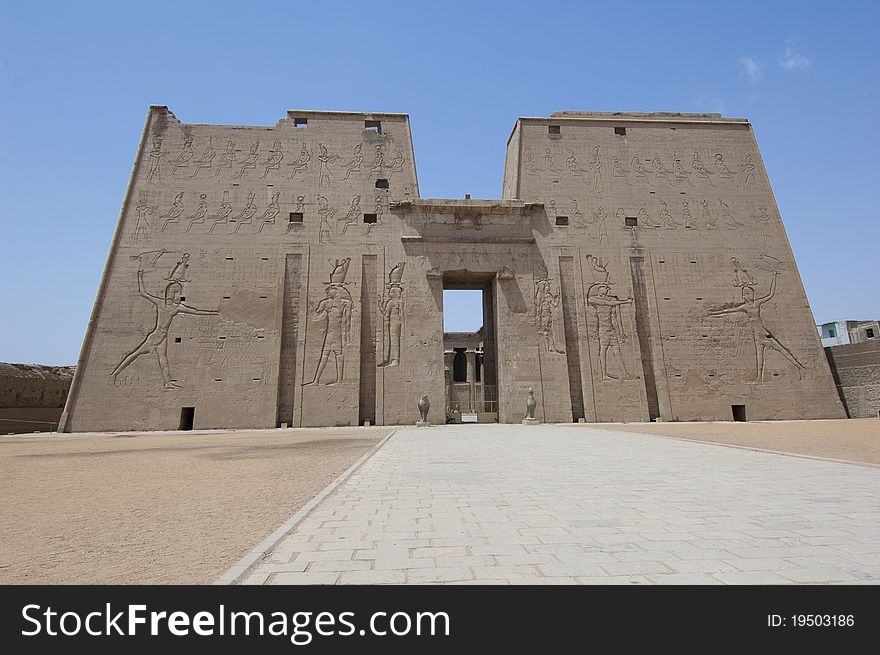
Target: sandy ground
855,439
165,508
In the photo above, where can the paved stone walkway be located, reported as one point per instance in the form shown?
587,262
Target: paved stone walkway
570,504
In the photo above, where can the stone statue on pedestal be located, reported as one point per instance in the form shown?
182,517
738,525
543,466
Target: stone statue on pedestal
531,404
424,406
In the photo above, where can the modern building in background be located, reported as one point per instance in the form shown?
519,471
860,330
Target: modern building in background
837,333
635,268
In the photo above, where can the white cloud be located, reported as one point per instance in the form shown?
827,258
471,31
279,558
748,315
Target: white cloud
752,68
791,59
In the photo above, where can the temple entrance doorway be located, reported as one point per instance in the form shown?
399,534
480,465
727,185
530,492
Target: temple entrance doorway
469,348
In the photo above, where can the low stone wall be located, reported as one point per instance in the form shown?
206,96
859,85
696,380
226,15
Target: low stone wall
32,396
856,370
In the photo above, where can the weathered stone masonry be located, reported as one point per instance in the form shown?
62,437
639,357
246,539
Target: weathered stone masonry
636,267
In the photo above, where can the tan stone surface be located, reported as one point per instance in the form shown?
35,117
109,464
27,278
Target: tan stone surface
636,267
158,508
850,439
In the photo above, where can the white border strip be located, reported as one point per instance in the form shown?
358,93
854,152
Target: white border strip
238,571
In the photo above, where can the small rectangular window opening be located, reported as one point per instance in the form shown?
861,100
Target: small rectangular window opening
562,220
183,299
631,221
554,130
176,339
187,416
831,332
371,218
381,183
373,126
300,122
296,217
739,412
869,333
620,131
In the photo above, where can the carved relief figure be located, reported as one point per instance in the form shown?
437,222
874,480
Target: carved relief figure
528,162
250,160
183,157
748,174
610,328
325,213
381,197
378,163
246,217
396,165
666,218
353,215
549,163
335,310
206,159
354,164
574,166
681,175
660,169
686,214
711,220
546,303
300,208
723,169
640,170
701,169
750,307
617,170
272,210
273,161
301,163
728,218
198,218
143,210
173,214
156,156
325,173
222,216
393,309
596,167
227,159
599,218
765,221
168,306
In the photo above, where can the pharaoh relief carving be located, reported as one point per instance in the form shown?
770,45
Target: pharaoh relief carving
528,162
378,163
335,313
227,159
380,202
618,171
222,215
609,325
765,220
156,156
596,168
299,208
273,160
702,172
272,211
246,217
747,169
172,216
750,308
550,165
206,160
392,308
681,175
249,162
352,216
661,171
325,213
396,165
301,163
546,305
143,209
354,164
167,307
723,169
638,168
201,213
728,219
666,218
183,157
573,165
325,159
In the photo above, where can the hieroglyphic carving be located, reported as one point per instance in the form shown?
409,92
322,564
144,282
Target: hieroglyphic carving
301,163
198,217
574,166
354,164
143,209
666,218
686,214
700,167
227,159
750,307
222,215
596,168
273,160
528,163
173,213
378,163
660,170
272,210
639,169
724,170
205,161
681,175
747,168
546,303
710,219
600,216
183,157
168,306
610,332
250,160
393,309
765,220
396,165
325,158
728,218
246,217
325,213
335,311
618,170
353,215
552,168
380,202
156,155
300,209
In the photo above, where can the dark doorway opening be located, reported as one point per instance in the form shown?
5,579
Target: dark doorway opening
187,416
739,412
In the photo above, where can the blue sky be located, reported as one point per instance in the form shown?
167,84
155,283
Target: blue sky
76,79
